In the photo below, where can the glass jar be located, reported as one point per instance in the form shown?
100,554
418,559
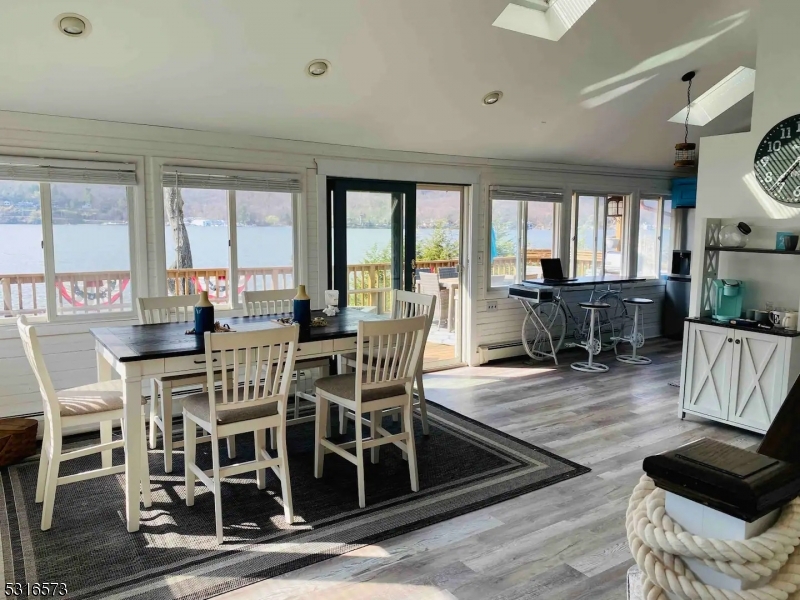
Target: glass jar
734,236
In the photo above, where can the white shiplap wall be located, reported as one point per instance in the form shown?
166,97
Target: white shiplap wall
69,349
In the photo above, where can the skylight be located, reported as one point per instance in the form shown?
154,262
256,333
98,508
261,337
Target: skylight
731,90
548,19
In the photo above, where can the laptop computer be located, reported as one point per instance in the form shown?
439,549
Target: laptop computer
552,271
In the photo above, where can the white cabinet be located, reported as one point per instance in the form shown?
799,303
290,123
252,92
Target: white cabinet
736,376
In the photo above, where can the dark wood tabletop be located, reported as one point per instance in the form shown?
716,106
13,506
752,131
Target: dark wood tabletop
167,340
594,280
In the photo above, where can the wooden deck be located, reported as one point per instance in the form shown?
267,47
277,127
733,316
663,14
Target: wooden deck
564,542
438,352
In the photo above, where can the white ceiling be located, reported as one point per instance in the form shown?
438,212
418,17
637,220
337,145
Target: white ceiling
406,74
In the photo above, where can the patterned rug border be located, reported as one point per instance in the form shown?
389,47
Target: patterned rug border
133,586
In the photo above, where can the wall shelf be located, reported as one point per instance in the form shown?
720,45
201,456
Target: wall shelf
751,250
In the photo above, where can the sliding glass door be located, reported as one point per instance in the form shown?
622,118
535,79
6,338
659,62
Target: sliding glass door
384,236
372,241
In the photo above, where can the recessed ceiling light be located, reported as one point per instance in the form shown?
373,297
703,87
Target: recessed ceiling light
318,67
492,98
73,25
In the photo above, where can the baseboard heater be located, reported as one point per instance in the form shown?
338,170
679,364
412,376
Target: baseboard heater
491,352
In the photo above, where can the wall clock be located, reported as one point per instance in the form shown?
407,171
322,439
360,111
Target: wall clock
777,162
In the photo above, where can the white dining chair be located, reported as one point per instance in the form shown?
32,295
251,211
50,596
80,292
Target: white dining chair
99,403
370,391
171,309
406,305
279,302
263,361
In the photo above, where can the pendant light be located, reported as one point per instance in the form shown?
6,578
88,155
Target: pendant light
686,153
614,207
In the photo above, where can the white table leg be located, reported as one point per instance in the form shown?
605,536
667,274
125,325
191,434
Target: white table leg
132,398
104,369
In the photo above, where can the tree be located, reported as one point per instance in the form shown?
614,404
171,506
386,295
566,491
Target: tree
180,237
439,246
504,243
376,254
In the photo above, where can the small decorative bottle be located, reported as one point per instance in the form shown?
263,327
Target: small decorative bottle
302,307
203,315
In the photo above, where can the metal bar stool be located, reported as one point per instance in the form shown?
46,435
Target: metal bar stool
593,344
636,337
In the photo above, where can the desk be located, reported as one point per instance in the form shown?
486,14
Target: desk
544,311
583,281
138,352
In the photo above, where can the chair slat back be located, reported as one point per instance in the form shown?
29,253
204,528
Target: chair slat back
398,343
429,284
262,364
269,302
411,304
167,309
33,352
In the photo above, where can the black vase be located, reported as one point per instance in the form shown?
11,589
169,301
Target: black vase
203,315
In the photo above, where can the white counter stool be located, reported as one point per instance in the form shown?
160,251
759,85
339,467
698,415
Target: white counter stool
636,337
593,344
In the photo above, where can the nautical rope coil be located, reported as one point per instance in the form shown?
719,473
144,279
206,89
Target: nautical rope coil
658,544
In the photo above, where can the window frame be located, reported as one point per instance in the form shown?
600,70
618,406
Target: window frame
662,199
51,316
298,241
601,219
522,236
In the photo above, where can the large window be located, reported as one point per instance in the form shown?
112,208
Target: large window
599,243
227,232
655,225
65,239
524,230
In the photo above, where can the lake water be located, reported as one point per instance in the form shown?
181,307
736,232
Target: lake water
105,247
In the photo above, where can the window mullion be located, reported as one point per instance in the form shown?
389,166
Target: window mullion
233,283
132,246
660,238
522,250
47,248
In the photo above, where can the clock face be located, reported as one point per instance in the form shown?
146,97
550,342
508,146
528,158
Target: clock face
777,163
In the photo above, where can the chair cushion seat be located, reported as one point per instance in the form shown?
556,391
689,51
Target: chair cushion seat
102,396
198,405
597,305
344,386
637,301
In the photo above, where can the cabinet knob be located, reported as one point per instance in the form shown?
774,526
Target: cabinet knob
738,341
730,340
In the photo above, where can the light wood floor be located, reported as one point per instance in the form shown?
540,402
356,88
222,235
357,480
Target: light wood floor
564,542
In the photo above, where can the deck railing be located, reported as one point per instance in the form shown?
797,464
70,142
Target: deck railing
110,291
76,293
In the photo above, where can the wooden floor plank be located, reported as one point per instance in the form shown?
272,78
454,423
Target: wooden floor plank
563,542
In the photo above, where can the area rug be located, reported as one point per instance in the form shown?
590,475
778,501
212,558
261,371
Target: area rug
463,466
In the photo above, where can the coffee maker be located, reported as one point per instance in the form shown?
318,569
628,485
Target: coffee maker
726,302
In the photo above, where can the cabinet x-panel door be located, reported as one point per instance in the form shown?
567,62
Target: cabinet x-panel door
708,370
757,384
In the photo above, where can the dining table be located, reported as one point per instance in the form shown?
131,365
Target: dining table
137,353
